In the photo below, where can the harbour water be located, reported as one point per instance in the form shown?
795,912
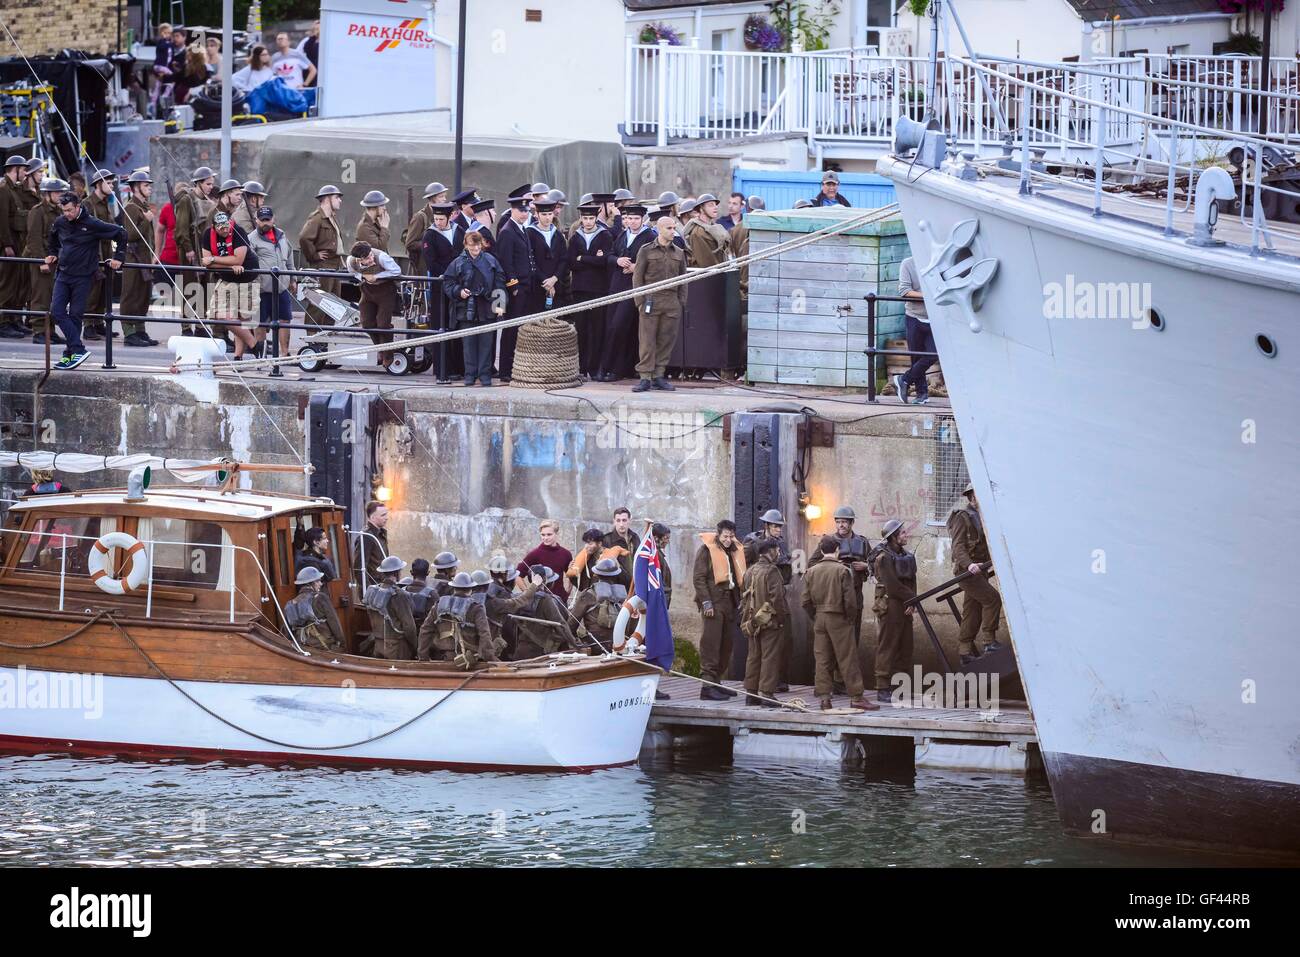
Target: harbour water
685,810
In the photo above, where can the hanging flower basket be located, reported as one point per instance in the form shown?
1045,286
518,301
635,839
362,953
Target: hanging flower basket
761,35
654,32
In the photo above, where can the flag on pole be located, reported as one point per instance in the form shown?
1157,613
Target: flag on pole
647,579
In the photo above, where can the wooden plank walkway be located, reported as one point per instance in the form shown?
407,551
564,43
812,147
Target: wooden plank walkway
1011,724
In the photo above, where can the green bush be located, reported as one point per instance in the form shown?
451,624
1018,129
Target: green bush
686,658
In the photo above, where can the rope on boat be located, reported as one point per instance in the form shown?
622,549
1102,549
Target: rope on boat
108,615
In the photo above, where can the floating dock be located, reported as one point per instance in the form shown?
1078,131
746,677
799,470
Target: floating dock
1002,740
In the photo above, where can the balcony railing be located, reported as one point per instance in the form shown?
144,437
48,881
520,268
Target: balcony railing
675,93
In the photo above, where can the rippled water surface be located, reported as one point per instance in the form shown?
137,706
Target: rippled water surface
683,810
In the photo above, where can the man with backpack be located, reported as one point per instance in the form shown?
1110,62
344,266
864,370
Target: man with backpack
457,630
392,622
597,606
763,616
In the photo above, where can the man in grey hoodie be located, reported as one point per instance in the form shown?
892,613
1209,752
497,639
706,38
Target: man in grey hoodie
272,247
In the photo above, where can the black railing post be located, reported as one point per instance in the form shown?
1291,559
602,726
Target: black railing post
275,321
871,346
108,317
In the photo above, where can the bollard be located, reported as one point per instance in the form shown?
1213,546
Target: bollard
871,346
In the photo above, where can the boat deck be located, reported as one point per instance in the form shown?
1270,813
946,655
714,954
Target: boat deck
1012,724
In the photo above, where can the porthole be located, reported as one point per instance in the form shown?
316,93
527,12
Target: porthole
1155,320
1266,345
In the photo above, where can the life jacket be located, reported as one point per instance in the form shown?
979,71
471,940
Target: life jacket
300,612
421,598
456,635
377,598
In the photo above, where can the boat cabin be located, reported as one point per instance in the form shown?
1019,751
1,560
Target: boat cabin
211,555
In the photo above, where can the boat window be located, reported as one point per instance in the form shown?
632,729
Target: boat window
186,553
282,551
44,546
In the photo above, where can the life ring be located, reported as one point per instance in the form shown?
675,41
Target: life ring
97,563
624,643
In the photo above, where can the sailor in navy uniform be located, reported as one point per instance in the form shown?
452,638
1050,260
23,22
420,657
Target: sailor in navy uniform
588,254
484,218
463,215
513,252
619,349
442,243
550,259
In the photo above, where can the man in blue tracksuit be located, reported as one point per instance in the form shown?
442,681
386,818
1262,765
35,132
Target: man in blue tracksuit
74,245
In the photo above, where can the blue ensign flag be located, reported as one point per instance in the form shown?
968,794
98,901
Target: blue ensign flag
648,583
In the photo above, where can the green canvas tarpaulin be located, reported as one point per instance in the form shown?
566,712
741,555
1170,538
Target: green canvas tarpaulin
294,166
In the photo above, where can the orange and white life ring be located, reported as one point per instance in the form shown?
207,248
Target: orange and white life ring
624,643
97,563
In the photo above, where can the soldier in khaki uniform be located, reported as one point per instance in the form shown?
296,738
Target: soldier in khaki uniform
100,204
458,630
829,601
373,227
549,630
763,616
41,277
854,551
597,607
659,315
310,615
717,575
136,283
321,242
192,206
500,603
252,197
392,621
413,234
707,243
13,237
981,605
738,239
229,198
895,586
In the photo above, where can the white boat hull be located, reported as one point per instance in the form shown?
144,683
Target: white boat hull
1132,481
575,728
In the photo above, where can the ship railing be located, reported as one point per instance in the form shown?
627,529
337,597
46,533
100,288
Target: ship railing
871,351
1202,152
63,538
945,593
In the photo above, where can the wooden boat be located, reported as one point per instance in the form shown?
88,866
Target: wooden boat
193,658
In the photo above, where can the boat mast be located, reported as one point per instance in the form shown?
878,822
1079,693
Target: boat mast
932,80
1264,70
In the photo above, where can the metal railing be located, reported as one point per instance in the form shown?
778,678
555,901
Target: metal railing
1002,663
871,351
274,327
856,93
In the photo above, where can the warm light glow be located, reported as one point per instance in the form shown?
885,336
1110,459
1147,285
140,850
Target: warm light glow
383,493
812,512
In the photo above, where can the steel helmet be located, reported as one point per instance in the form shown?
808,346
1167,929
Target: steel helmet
52,185
606,568
433,189
687,205
668,198
100,176
890,527
480,577
547,574
539,188
498,565
555,196
228,185
202,173
586,198
15,160
254,188
375,197
772,517
308,574
139,176
34,165
845,511
462,580
970,487
621,194
445,560
391,564
706,198
755,203
329,191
